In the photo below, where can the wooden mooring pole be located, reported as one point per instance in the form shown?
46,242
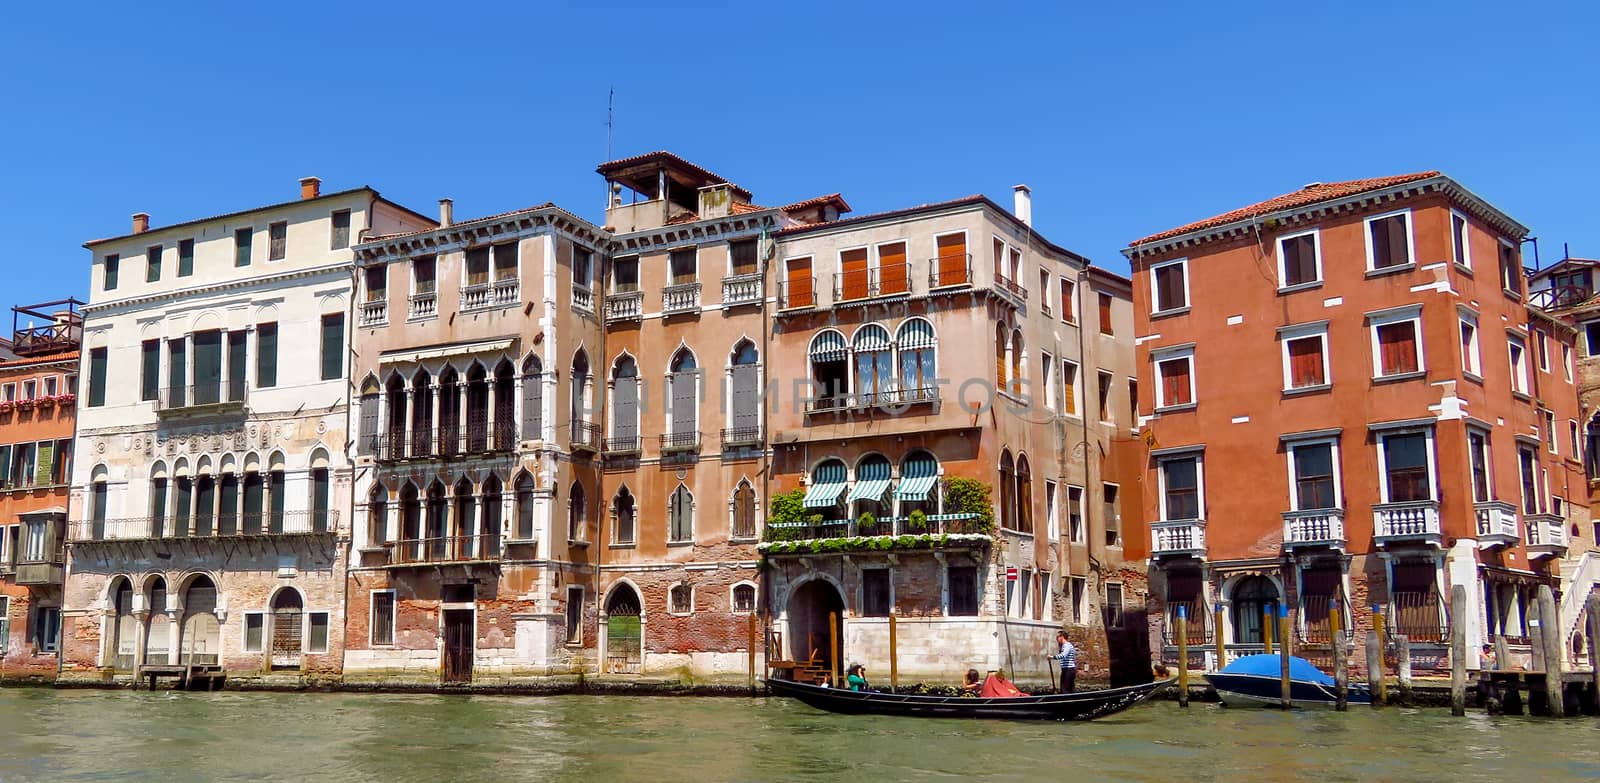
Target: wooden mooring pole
1375,679
1458,650
1554,661
752,642
1341,667
1183,655
1216,633
894,656
1594,638
1267,630
833,646
1285,686
1402,666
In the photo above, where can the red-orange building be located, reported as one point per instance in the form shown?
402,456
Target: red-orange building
1347,399
38,390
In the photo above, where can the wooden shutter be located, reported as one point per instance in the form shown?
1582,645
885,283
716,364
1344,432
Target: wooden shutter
532,405
952,259
41,470
684,402
799,284
97,377
625,414
1305,362
1105,314
1380,243
266,355
236,366
743,255
892,278
1175,381
1069,388
253,503
853,283
746,397
999,254
369,424
1397,348
150,369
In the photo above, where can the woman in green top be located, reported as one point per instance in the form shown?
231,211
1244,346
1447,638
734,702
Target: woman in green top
857,677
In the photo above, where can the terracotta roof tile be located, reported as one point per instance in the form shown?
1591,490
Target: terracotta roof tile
831,198
1304,197
23,361
459,223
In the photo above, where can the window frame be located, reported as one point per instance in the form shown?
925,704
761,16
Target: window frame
1162,356
277,250
1411,242
1517,359
733,598
244,632
1075,385
1431,454
1156,309
672,590
1566,362
1465,237
1314,331
1376,320
1077,531
1284,286
1520,276
572,616
888,600
1484,448
1198,458
1332,442
372,613
327,632
333,229
1471,350
1068,293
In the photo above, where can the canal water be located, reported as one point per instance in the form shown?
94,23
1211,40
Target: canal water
78,735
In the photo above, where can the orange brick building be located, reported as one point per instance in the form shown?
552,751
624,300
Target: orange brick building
1349,404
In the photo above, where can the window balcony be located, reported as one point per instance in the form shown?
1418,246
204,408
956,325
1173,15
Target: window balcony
967,525
1413,522
1323,527
1547,536
35,571
487,296
202,399
1178,538
585,436
624,306
424,305
374,313
1497,523
482,547
858,284
743,289
950,272
447,440
624,446
197,528
672,442
680,298
583,300
1011,289
740,437
797,294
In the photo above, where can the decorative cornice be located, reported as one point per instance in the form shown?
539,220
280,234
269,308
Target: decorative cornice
215,288
476,232
711,229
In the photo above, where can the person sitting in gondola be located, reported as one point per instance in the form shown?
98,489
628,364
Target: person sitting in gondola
998,687
857,677
972,684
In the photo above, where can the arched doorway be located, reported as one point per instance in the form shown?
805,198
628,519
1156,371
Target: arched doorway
125,641
1252,597
624,632
287,609
809,607
202,634
158,635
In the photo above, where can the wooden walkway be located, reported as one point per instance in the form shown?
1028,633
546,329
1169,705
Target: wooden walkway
188,676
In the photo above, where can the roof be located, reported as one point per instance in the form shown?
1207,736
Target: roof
1562,265
620,170
973,200
459,223
28,361
1304,197
837,199
362,189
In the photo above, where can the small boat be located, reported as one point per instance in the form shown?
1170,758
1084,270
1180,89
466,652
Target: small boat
1256,679
1085,705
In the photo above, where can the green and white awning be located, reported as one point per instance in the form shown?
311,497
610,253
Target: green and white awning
828,483
917,478
829,346
872,481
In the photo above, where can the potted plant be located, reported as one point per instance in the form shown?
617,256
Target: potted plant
24,404
866,524
918,520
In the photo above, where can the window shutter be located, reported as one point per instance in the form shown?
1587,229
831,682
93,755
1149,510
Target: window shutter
854,275
236,366
1305,362
746,394
952,259
369,424
625,414
1175,381
150,369
892,268
799,284
207,367
332,346
42,470
532,404
684,402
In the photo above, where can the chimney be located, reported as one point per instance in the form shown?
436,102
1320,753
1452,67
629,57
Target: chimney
310,187
1022,204
716,200
141,222
446,212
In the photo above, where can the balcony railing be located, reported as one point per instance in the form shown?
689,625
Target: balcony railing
374,313
736,437
936,524
797,294
627,444
483,296
888,399
1547,535
447,440
856,284
1011,288
743,289
424,305
950,271
445,549
217,397
1316,527
1497,523
680,441
48,339
624,306
1413,521
585,435
199,528
680,298
582,299
1178,537
1557,297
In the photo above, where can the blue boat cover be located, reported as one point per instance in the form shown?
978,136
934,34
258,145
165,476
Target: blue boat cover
1300,669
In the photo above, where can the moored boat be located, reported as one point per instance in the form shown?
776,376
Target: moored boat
1085,705
1257,679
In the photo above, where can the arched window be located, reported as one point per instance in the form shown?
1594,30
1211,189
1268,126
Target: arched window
1002,346
368,439
683,396
505,406
321,492
489,533
524,489
919,474
1024,495
182,497
744,510
377,515
125,639
287,609
680,599
746,383
870,494
276,493
99,499
874,364
409,546
393,445
918,363
1008,489
158,499
477,409
228,503
255,496
156,636
201,638
577,513
580,390
205,499
1017,373
825,493
830,369
622,511
744,598
1252,597
680,516
437,520
624,405
422,435
450,434
461,535
532,399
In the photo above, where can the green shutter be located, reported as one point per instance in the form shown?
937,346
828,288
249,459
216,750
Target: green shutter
97,377
236,366
332,346
150,369
41,471
185,257
5,465
266,356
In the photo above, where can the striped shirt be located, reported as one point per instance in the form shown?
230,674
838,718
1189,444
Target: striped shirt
1068,657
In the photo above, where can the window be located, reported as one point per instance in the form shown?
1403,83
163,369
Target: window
1075,532
50,386
1312,466
339,236
266,355
1478,456
1519,365
1541,342
583,267
876,592
744,599
1305,357
1566,362
744,511
623,514
477,267
1113,515
241,247
1113,609
1044,291
149,369
1052,517
680,599
1049,375
1528,467
1460,249
577,513
278,241
954,265
574,615
1471,360
1572,432
742,257
1396,350
316,632
1069,301
505,260
1103,383
1299,260
1076,589
625,274
46,628
30,390
680,514
185,257
891,270
1510,269
1180,488
1389,241
1169,286
97,377
962,584
332,346
917,346
1591,338
237,366
423,280
1550,432
682,266
255,626
112,265
152,264
798,284
8,392
1407,474
1133,404
1105,314
1175,379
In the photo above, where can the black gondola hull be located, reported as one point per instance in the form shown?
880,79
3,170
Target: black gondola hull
1086,705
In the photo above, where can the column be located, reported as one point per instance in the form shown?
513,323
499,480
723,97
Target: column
489,416
391,520
433,418
382,424
516,408
411,411
463,427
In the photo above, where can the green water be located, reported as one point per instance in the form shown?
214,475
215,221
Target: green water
116,735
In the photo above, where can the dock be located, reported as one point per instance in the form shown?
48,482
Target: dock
188,676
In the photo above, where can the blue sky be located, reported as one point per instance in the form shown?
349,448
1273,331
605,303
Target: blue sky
1124,118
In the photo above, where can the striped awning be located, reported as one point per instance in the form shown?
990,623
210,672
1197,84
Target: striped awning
916,333
827,485
872,337
829,346
917,477
872,480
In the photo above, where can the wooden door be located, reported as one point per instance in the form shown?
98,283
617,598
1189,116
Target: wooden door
952,259
798,285
853,283
458,646
892,272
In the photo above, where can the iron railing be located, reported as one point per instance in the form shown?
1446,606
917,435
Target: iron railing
950,271
741,436
680,441
797,294
626,444
856,284
202,395
444,549
1418,616
1010,287
195,526
585,435
933,524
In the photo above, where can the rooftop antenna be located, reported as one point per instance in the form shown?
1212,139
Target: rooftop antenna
611,100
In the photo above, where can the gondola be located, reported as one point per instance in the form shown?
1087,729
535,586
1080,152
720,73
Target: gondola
1086,705
1256,680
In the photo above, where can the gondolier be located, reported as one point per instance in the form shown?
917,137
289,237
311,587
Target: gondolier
1067,658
